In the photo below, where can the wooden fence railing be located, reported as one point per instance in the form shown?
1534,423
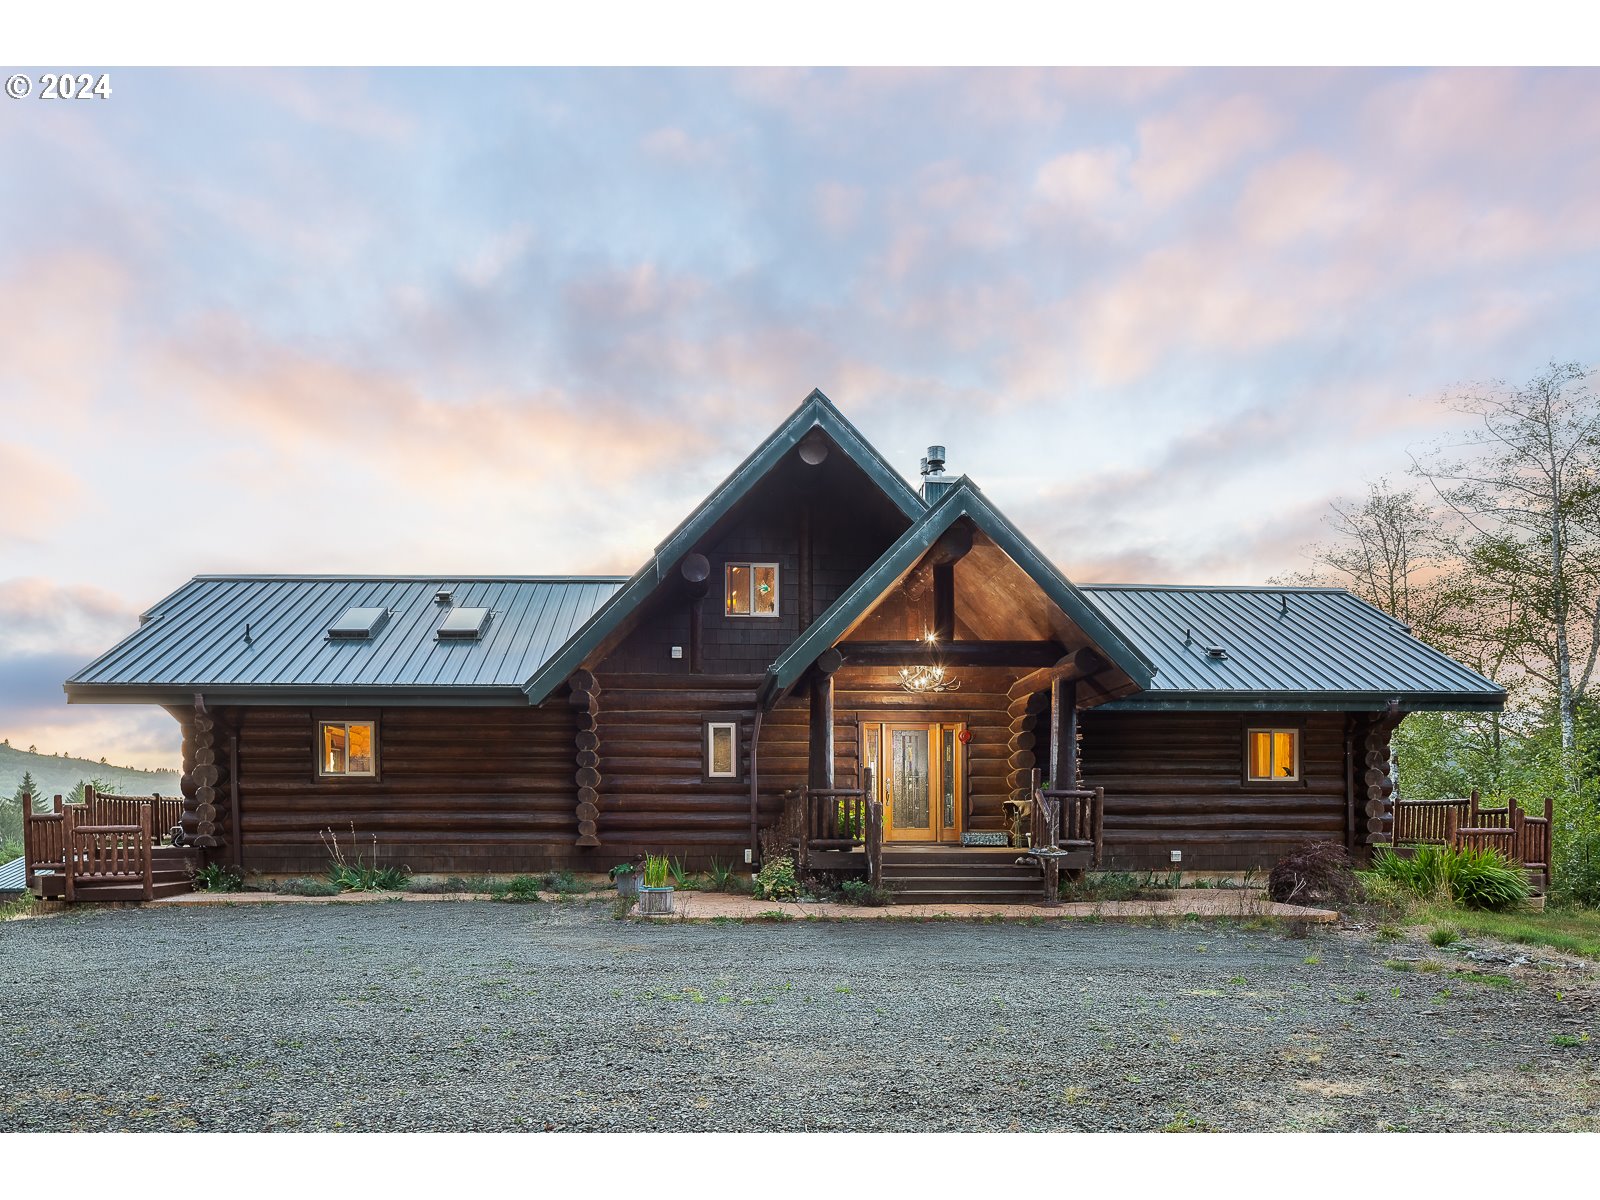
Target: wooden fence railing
1466,824
1068,818
108,853
124,821
836,819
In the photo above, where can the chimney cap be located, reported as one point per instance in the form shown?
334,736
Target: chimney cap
933,464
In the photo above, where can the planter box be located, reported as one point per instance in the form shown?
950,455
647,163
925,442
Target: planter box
627,885
655,902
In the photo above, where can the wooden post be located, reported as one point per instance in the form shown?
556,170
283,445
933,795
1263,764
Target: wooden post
944,602
874,828
149,854
821,736
755,778
585,697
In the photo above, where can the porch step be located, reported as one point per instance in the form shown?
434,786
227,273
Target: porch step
53,887
961,875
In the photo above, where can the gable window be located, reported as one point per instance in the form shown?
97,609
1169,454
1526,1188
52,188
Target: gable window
752,589
347,748
1272,754
722,750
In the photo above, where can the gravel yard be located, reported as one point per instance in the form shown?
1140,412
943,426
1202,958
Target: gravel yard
475,1015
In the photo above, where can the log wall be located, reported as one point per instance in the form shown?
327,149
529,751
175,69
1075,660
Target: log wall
1175,781
460,790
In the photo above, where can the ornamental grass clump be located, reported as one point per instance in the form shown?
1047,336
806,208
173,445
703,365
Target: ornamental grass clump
657,871
360,875
1481,879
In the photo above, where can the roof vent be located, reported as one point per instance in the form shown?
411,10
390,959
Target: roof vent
1217,652
934,481
358,624
464,625
444,596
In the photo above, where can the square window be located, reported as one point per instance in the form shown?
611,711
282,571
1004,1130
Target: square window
347,748
751,590
722,750
1272,754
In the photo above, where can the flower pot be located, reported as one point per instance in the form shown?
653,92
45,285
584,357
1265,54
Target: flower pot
655,902
627,885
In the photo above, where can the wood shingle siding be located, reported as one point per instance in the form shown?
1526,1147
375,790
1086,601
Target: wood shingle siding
1175,781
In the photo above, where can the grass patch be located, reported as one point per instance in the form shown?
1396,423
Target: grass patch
301,887
22,906
1443,935
773,914
1569,930
454,885
1568,1039
216,877
523,889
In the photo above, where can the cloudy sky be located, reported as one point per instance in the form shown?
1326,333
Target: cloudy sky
522,321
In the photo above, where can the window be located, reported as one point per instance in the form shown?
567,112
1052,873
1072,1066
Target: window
722,750
463,625
347,748
358,624
1272,754
752,589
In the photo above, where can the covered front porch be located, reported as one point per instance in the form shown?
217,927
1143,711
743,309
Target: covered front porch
943,695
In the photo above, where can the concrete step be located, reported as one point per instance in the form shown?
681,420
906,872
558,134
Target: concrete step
1034,895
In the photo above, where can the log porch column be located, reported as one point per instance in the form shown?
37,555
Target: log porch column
821,757
1064,733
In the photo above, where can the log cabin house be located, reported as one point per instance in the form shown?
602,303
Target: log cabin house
816,629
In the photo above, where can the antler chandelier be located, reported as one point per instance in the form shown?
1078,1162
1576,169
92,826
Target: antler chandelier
927,679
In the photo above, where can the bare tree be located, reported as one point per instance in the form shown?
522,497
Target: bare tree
1524,482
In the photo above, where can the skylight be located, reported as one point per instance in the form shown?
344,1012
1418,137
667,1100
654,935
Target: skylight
358,624
464,625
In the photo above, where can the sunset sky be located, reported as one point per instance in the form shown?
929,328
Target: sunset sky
522,321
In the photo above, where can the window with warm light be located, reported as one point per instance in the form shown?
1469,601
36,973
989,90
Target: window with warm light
1272,754
347,748
752,590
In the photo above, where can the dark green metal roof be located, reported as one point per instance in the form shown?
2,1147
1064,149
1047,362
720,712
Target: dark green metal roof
265,638
962,500
1283,647
815,412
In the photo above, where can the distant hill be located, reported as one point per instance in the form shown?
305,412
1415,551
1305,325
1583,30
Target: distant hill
57,776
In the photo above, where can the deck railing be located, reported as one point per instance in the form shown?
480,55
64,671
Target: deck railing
108,853
1068,818
109,825
1465,824
836,819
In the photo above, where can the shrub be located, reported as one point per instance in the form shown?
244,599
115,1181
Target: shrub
524,889
725,879
1110,885
565,883
776,880
866,894
1317,872
1470,878
215,877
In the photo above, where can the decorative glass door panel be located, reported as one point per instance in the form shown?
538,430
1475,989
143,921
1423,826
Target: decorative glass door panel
918,773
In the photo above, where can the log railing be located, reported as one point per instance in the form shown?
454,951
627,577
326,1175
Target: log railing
835,819
1068,819
101,853
1465,824
46,836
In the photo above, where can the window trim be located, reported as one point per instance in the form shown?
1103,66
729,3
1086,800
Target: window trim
1298,731
323,717
777,590
708,726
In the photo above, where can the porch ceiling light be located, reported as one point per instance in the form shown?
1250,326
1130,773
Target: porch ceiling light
927,679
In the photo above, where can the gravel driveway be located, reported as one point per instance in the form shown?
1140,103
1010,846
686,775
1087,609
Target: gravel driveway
474,1015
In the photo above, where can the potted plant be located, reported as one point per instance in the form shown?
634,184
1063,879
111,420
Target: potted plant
655,893
626,879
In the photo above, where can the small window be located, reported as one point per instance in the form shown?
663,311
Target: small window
1273,754
752,589
347,748
722,750
463,625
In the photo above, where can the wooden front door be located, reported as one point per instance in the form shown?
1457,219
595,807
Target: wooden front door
919,780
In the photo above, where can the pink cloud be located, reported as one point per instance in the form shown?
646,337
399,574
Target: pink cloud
1189,146
40,493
